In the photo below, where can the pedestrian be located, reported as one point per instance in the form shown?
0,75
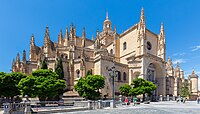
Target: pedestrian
198,100
126,101
184,99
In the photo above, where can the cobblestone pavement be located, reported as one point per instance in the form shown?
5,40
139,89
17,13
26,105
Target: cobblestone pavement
153,108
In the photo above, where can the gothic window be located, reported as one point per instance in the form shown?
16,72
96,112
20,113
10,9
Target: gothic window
118,75
78,73
151,73
111,51
124,45
124,76
149,46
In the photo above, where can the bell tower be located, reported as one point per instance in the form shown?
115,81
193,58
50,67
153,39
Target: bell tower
107,23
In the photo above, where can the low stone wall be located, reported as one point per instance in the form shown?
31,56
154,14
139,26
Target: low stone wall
81,103
92,104
17,108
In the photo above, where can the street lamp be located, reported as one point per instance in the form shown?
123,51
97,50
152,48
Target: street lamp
112,74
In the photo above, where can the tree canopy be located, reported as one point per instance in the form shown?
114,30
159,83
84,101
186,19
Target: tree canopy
138,86
141,86
59,69
9,82
124,89
89,87
42,83
185,91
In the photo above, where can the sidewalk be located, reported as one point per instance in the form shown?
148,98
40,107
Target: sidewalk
58,109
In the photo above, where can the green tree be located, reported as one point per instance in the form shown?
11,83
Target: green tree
9,82
89,87
185,91
142,86
59,69
42,83
44,64
124,89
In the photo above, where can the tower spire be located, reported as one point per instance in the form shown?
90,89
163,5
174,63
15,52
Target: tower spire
107,15
47,33
115,29
193,71
71,31
161,28
18,58
66,37
107,23
32,40
60,37
83,37
97,33
24,57
46,37
142,17
83,33
92,38
66,33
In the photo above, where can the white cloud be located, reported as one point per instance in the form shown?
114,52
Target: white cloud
178,54
195,48
175,61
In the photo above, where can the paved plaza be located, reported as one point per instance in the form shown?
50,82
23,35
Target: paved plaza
154,108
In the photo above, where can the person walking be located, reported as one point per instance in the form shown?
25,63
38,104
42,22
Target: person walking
198,100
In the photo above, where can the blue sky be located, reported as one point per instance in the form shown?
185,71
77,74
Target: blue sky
19,19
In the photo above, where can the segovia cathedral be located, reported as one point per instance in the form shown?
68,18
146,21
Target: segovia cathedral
135,53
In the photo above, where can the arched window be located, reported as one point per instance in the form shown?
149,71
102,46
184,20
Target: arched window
124,76
111,51
78,73
124,45
119,75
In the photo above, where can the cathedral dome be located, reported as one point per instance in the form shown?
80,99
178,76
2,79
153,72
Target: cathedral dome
193,75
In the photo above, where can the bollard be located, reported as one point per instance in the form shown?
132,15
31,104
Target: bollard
7,108
161,99
112,104
174,98
27,108
89,104
99,104
167,97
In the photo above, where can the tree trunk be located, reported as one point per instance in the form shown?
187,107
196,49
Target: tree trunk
143,99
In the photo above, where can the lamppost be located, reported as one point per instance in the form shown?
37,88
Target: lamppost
112,74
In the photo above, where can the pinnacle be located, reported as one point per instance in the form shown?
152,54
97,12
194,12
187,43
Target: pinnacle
107,15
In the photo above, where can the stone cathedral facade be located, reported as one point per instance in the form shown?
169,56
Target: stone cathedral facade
137,52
